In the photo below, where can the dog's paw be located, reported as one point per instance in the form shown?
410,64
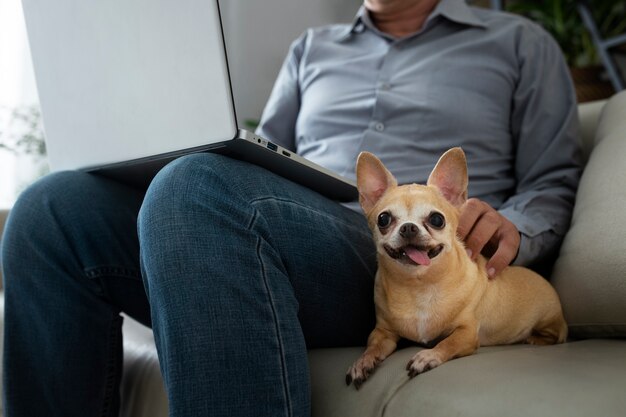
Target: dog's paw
361,370
423,361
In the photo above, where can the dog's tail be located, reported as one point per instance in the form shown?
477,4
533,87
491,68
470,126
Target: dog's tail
563,329
549,332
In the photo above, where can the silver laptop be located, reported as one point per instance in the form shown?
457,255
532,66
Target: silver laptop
128,85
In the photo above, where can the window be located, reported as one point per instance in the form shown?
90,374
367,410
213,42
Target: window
17,92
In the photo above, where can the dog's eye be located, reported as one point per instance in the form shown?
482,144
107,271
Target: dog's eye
384,219
436,220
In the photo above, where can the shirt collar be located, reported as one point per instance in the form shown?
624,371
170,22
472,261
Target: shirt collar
455,10
361,20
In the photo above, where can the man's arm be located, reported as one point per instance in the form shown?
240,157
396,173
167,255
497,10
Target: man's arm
548,162
544,124
278,121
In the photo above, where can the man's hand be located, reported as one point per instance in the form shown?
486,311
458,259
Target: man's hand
486,231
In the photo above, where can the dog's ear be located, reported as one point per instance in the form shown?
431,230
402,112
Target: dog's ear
450,176
373,180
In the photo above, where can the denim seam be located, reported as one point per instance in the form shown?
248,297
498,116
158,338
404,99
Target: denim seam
321,213
112,368
110,270
97,273
275,316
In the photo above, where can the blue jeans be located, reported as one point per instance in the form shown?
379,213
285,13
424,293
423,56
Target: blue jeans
238,272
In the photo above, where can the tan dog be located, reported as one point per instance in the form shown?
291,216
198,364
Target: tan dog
428,288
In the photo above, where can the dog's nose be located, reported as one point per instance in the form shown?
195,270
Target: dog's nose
408,230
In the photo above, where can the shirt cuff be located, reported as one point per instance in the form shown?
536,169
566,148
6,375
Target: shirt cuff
532,236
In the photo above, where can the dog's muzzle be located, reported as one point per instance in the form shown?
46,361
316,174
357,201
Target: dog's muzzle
414,255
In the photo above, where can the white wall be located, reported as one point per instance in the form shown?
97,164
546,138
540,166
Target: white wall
258,34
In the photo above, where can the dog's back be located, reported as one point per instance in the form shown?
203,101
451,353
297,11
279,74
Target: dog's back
520,306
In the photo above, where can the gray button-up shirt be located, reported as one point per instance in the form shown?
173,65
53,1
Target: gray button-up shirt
493,83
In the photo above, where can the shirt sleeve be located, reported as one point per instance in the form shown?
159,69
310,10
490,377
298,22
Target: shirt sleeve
278,121
545,128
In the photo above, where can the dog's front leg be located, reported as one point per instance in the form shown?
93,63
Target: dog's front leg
462,341
380,344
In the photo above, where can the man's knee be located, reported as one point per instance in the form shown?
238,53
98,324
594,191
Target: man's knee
186,184
204,170
190,199
46,200
38,215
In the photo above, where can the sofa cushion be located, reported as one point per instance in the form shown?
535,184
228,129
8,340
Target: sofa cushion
590,272
584,378
142,391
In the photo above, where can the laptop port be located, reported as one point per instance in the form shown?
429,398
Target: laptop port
272,147
286,154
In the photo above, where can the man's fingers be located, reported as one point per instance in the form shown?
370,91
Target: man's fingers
482,226
482,232
472,210
504,255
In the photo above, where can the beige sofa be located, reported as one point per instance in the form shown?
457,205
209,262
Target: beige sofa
584,377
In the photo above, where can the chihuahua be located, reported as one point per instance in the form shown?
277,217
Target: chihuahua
427,288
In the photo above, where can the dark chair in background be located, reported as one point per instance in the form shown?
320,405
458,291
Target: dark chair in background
605,47
497,4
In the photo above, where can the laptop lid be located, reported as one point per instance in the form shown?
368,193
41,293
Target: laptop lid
120,80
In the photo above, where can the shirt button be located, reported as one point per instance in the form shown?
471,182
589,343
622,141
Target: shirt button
379,126
385,86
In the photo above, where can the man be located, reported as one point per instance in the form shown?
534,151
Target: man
244,270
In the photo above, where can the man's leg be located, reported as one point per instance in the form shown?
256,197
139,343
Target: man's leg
70,260
244,270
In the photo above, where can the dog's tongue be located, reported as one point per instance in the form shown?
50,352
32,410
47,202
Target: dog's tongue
417,256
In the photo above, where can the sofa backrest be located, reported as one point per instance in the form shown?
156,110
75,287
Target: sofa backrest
590,272
589,114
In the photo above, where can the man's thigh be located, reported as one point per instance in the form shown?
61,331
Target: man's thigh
329,257
301,243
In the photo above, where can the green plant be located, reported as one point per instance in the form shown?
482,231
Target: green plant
22,131
561,19
251,124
